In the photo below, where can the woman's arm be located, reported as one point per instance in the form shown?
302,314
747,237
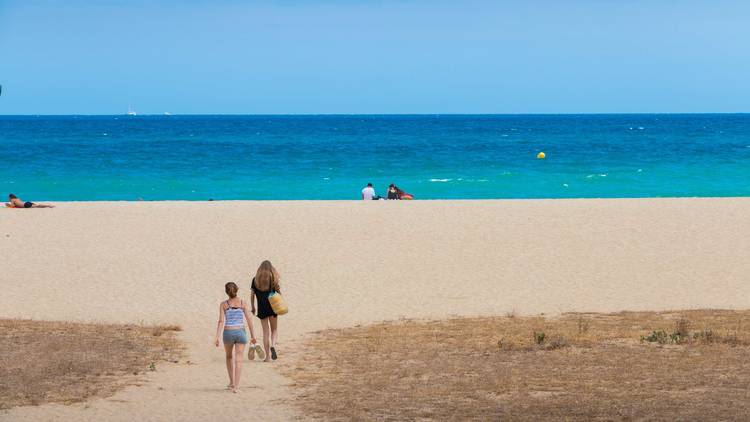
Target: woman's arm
249,322
252,300
220,325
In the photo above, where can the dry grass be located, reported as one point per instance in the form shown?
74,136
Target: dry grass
575,367
42,361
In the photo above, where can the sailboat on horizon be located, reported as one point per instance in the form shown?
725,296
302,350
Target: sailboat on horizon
131,112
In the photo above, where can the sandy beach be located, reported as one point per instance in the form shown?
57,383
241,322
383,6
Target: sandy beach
345,263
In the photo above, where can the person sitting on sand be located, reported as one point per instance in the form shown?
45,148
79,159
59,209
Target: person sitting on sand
392,192
16,202
232,316
266,280
368,193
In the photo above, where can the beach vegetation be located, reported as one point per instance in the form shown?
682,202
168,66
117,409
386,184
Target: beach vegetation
569,367
64,362
683,335
583,325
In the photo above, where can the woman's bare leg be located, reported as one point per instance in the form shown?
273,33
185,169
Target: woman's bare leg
239,349
274,330
230,369
266,340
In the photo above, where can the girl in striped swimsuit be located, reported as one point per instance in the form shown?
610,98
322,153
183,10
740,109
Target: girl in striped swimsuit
232,316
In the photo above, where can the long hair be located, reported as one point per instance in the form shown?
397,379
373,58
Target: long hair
267,276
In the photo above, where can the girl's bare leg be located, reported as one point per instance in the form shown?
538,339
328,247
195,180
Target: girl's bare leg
230,369
274,330
238,351
266,339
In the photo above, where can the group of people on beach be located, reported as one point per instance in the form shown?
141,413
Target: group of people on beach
233,313
394,193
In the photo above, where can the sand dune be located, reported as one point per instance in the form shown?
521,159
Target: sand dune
347,263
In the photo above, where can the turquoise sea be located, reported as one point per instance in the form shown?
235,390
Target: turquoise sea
53,158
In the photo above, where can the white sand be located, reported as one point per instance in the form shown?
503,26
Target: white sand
345,263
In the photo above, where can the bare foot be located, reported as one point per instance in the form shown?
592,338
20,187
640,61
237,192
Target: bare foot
236,390
230,387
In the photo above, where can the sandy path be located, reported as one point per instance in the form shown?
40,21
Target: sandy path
345,263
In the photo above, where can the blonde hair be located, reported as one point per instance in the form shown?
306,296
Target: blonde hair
267,276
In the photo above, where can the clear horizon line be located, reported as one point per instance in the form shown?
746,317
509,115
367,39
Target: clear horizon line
377,114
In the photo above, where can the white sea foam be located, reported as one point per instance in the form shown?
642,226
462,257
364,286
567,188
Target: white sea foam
440,180
590,176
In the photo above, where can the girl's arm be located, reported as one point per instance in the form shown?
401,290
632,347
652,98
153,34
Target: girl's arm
220,325
252,300
249,323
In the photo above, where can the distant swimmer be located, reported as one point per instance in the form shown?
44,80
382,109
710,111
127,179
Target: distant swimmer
368,193
16,202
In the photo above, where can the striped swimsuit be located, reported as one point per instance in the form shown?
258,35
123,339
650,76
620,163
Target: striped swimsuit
234,317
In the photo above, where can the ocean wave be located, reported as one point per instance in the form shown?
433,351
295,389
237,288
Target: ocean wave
591,176
440,180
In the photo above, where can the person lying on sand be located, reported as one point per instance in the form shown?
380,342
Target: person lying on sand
16,202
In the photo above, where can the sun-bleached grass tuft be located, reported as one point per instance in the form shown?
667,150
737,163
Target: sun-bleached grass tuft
573,367
63,362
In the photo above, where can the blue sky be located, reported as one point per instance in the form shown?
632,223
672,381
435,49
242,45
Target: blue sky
412,56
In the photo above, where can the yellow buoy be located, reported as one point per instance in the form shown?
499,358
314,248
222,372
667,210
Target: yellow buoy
541,155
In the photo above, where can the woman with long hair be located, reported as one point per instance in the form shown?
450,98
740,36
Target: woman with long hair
266,280
233,313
